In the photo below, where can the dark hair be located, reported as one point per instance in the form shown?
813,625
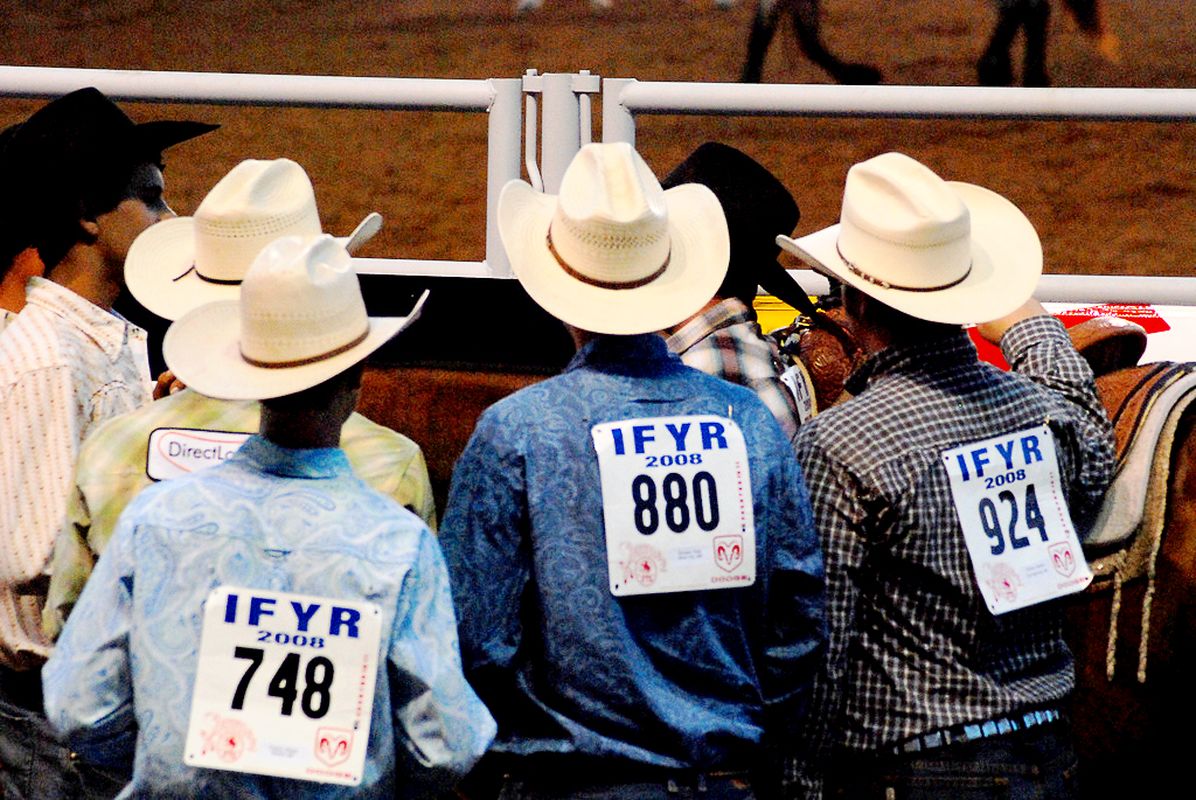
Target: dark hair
11,233
902,326
320,395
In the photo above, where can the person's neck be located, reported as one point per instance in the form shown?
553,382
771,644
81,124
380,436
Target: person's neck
24,266
305,429
81,271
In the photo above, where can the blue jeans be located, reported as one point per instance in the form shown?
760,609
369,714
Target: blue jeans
34,763
1036,764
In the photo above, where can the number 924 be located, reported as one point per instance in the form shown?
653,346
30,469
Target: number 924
990,519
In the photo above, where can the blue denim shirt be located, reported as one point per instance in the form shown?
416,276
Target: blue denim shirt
287,520
684,680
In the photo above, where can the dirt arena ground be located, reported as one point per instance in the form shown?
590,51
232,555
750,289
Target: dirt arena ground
1107,198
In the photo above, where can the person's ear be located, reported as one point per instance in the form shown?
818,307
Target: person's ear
91,230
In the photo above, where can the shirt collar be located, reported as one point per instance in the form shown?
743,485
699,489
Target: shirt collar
645,353
945,352
319,462
727,312
110,332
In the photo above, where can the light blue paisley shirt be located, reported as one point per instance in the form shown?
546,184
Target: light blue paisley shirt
685,680
270,518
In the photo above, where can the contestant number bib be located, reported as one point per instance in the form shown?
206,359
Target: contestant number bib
676,503
178,451
797,381
285,685
1015,522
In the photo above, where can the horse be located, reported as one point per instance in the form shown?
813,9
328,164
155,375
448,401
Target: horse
994,68
1132,632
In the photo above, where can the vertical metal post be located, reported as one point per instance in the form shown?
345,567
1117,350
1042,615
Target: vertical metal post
560,128
531,126
502,162
618,125
583,98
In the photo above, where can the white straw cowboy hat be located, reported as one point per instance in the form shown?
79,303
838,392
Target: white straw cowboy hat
613,252
937,250
181,263
300,321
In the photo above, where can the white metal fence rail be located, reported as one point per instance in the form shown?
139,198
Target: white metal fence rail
501,98
623,98
563,108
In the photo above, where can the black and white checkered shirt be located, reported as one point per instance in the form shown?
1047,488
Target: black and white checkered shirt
913,648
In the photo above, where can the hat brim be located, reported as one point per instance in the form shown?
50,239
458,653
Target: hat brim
158,135
700,251
203,349
158,267
1006,264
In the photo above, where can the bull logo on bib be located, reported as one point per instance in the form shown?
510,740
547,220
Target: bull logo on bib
642,564
728,552
333,745
228,738
1004,582
1062,559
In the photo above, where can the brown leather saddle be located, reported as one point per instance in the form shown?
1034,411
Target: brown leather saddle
826,347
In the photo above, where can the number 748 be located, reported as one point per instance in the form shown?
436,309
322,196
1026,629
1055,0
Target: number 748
990,519
284,684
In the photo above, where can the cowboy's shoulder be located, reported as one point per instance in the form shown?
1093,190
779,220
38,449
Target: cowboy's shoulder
161,503
503,426
1039,329
865,416
362,436
534,403
743,400
33,340
185,410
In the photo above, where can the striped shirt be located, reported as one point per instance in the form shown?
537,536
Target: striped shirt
112,469
65,366
725,341
913,647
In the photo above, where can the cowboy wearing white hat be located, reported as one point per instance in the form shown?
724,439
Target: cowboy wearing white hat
359,663
613,252
611,527
300,320
181,263
937,250
947,495
171,266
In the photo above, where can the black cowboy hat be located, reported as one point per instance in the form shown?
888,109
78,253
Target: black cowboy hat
757,207
73,158
83,127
